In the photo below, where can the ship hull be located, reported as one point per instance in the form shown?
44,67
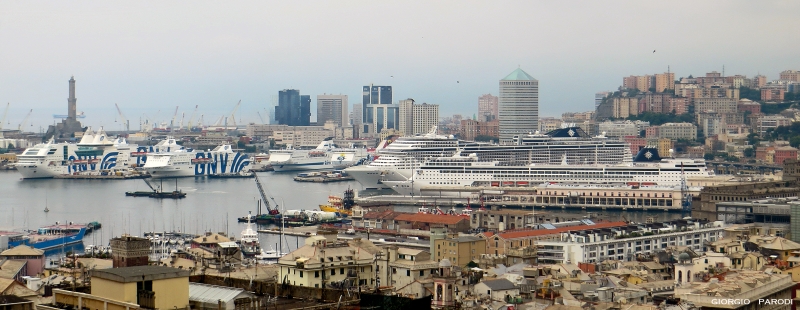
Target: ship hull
52,243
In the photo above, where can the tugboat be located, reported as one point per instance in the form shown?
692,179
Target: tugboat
249,241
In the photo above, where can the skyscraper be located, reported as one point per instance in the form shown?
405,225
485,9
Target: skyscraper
376,106
293,109
333,108
487,108
518,105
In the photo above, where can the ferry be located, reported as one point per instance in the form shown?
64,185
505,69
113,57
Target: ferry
167,159
326,156
46,238
95,152
396,159
646,168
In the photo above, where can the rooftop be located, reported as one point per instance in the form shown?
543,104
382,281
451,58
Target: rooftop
543,232
213,238
139,273
431,218
499,284
206,293
22,250
519,75
10,268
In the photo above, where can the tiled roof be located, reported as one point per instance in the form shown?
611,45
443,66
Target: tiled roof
22,250
383,215
543,232
431,218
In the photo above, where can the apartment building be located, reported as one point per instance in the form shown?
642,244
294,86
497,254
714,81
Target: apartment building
459,250
687,131
323,260
622,128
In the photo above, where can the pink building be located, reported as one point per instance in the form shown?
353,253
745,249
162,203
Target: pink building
34,258
772,94
636,143
487,108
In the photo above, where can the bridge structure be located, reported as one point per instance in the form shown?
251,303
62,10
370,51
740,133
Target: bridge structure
733,168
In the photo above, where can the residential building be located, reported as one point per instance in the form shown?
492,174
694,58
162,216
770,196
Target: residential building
518,105
625,107
496,289
417,118
772,94
323,260
293,109
719,105
402,267
664,81
472,129
755,286
577,117
640,82
686,131
547,124
262,132
34,258
332,108
459,250
501,242
302,136
622,128
487,108
766,122
711,123
624,243
775,154
501,219
154,287
790,75
759,81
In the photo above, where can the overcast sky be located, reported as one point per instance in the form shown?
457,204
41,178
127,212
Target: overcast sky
155,55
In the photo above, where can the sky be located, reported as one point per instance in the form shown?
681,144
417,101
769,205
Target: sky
150,57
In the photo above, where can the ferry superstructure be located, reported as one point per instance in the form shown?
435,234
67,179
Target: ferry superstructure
95,151
648,168
171,160
396,160
325,156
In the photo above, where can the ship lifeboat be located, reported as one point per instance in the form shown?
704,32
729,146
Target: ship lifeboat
201,160
495,184
80,161
507,183
138,154
648,184
94,161
633,184
522,183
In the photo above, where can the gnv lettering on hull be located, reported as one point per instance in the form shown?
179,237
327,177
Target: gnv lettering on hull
220,163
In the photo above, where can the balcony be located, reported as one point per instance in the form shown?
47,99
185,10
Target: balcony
146,299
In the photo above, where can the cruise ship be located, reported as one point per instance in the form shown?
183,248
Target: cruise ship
95,151
325,156
647,168
395,160
171,160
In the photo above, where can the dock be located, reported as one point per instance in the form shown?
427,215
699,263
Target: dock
323,179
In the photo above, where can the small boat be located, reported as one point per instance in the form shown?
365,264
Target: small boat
270,254
46,210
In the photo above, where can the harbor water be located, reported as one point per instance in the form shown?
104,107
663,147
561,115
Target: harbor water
210,205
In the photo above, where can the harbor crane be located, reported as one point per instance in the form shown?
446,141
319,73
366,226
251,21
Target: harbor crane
200,121
233,113
272,211
172,122
25,121
180,125
191,119
124,120
259,116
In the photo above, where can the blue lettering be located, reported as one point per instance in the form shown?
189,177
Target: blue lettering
224,164
212,166
200,168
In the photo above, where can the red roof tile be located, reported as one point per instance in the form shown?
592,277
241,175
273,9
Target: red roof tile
431,218
542,232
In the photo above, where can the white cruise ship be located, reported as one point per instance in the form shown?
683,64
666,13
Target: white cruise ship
325,156
395,161
95,152
648,168
168,159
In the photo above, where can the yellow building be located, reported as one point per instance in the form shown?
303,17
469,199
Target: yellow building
323,260
459,250
154,287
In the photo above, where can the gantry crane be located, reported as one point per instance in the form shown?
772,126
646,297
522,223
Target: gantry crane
123,119
191,119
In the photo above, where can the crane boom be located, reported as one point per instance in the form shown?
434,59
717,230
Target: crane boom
259,116
172,122
122,117
24,121
180,125
233,113
264,196
191,119
5,114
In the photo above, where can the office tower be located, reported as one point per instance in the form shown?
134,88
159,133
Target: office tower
332,108
487,108
293,109
375,100
518,105
357,116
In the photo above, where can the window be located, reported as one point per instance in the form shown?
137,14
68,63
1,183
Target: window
408,272
422,273
301,274
341,270
394,270
316,274
333,272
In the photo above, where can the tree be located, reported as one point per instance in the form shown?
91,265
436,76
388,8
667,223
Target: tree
749,152
749,93
240,144
708,156
794,141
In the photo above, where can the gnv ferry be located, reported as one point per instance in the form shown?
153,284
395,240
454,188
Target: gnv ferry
167,159
96,151
325,156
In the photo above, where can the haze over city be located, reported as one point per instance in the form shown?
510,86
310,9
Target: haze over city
151,56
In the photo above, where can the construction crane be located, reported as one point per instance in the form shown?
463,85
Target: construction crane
259,116
25,121
272,211
191,119
123,119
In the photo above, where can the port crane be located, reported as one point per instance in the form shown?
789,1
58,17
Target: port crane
191,119
25,121
270,210
172,122
259,116
124,120
3,120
